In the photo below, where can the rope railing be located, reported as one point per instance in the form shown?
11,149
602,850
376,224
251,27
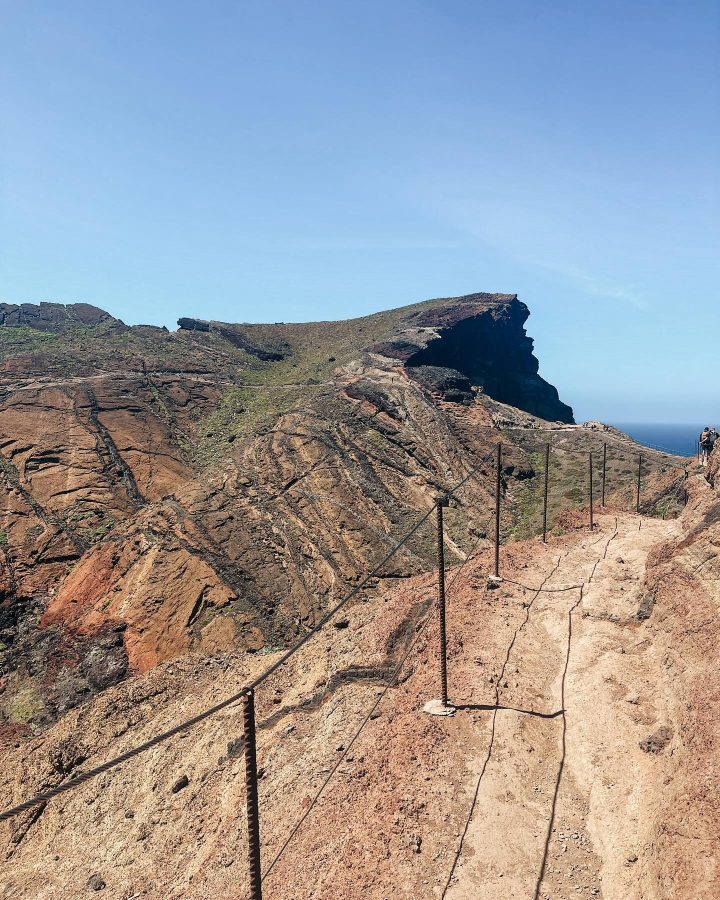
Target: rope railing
246,693
391,681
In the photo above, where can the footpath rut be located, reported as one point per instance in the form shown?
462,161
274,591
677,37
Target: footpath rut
560,796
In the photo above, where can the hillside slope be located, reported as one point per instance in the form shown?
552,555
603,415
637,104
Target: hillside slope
189,492
585,736
180,506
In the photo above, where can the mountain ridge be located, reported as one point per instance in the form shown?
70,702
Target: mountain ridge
167,493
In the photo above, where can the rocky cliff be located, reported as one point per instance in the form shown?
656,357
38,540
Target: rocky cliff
172,493
53,317
481,337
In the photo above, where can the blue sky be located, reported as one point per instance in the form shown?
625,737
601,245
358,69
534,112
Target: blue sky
303,160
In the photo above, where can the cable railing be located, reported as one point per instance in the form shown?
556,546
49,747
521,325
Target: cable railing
246,694
393,678
79,778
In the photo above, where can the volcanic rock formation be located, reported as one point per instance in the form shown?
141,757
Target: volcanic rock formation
53,316
179,507
219,486
482,337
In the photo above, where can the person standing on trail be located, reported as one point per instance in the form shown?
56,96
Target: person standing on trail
707,441
711,440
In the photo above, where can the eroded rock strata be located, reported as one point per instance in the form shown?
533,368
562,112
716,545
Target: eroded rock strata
166,493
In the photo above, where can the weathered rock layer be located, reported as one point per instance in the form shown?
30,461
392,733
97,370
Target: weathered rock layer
172,493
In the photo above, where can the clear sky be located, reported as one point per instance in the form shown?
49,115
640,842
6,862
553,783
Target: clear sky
310,159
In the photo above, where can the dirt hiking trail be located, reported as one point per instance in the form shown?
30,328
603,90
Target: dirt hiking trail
579,763
547,781
560,798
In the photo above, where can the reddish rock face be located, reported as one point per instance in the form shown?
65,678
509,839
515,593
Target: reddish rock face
173,493
155,591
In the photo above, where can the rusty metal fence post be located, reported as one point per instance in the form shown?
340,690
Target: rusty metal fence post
590,488
251,787
637,503
604,475
545,498
497,509
442,502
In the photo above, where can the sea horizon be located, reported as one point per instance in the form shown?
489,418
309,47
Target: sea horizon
678,438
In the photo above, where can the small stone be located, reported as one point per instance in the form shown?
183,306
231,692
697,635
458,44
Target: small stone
96,882
632,858
129,814
182,782
658,740
237,745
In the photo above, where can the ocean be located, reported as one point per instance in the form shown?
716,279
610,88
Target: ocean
675,438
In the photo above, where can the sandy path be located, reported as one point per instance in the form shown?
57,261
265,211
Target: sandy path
563,791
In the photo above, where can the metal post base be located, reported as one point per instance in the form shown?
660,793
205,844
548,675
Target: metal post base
438,708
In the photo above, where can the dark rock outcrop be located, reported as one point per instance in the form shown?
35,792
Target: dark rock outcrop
193,324
53,316
482,336
449,383
373,395
231,335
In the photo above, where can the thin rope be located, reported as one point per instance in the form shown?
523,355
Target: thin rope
392,681
81,777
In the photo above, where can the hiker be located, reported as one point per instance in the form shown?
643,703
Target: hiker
707,442
711,440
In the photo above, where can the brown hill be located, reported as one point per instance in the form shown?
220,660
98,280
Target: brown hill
179,506
219,486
